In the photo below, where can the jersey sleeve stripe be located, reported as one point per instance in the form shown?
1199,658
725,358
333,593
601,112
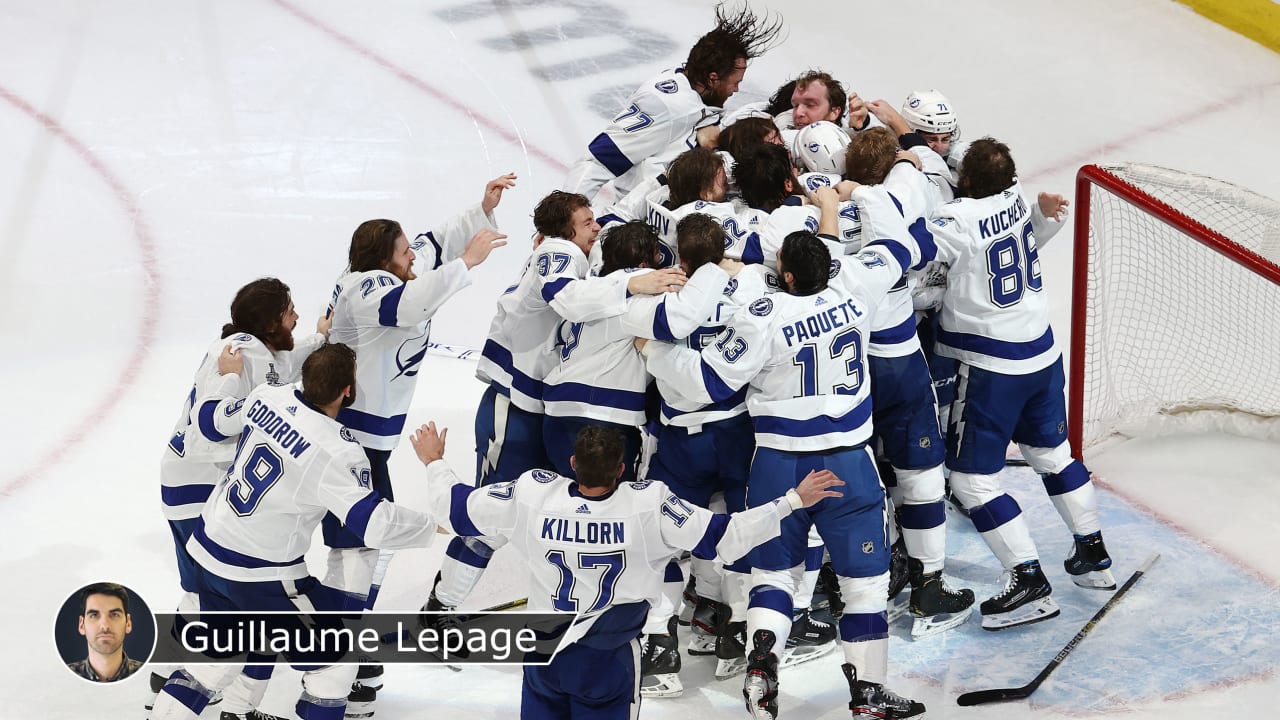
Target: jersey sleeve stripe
706,547
431,238
662,326
815,426
459,518
924,239
185,494
997,348
894,248
604,149
549,290
371,424
227,556
358,516
896,203
389,308
716,388
206,423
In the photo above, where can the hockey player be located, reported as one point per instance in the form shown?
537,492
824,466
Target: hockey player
904,409
664,116
800,354
928,117
816,97
600,378
704,450
995,322
598,547
382,308
250,539
203,441
516,358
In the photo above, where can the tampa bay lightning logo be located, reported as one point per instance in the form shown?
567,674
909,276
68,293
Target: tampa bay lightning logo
639,484
362,476
544,476
667,86
813,147
699,204
835,269
813,182
731,286
761,307
345,434
244,338
811,224
941,222
410,353
915,102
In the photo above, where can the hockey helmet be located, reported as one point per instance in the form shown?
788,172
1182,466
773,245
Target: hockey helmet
930,111
819,147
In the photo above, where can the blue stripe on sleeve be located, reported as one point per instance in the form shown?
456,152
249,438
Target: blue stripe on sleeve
358,516
895,202
550,289
371,424
706,547
185,494
609,218
899,253
661,327
458,516
928,248
753,253
205,421
716,387
389,308
604,149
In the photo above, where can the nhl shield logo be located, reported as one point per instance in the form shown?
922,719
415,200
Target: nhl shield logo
868,547
926,443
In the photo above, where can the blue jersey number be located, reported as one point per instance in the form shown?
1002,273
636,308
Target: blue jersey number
847,346
561,261
259,473
613,564
633,120
1013,267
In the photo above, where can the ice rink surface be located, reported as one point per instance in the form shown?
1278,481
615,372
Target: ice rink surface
159,155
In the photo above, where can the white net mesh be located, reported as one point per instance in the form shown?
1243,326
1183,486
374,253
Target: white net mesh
1178,336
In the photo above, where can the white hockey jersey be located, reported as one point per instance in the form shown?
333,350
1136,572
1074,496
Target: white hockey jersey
603,557
660,121
802,357
294,464
755,236
600,375
677,409
517,354
203,440
388,323
995,313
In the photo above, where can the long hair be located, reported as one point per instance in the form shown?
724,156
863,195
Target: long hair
737,34
553,216
630,245
690,174
257,309
373,244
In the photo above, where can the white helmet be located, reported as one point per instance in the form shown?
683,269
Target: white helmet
819,147
930,111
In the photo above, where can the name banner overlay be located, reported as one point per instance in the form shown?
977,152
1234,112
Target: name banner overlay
331,638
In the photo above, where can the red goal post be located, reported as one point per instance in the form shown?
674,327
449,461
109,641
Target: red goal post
1175,307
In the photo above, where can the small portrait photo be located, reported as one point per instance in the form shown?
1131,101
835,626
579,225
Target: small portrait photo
104,632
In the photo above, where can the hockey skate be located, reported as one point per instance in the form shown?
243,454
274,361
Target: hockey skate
898,576
157,684
827,594
810,639
760,688
370,676
935,607
1089,564
873,700
360,702
1026,598
703,623
731,651
660,664
254,714
442,623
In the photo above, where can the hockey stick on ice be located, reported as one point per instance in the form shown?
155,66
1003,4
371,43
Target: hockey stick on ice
980,697
500,607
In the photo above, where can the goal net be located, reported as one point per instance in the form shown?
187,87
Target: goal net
1175,307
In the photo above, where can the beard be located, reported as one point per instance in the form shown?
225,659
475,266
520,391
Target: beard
280,339
107,645
713,98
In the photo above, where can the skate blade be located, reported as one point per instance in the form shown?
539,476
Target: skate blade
702,646
1033,612
726,669
359,710
928,625
1096,580
663,685
754,696
899,606
804,653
